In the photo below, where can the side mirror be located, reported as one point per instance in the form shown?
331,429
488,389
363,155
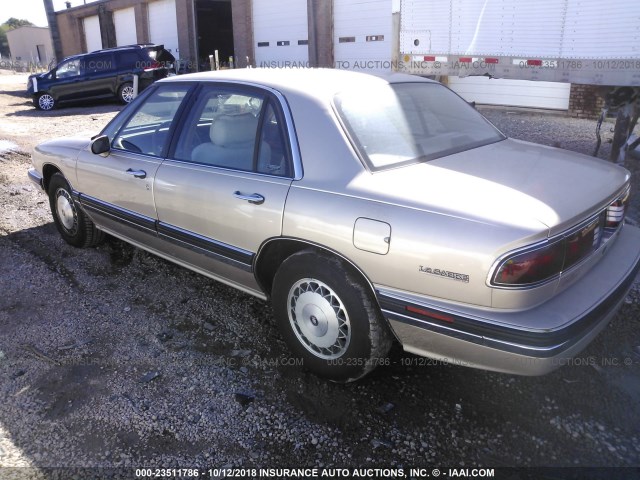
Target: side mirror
100,145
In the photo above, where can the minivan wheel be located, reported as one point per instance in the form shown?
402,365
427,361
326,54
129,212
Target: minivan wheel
126,93
45,102
328,317
75,227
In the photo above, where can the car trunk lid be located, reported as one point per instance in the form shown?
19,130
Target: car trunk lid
508,182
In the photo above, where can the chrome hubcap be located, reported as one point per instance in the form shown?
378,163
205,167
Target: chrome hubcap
319,319
127,94
45,102
66,211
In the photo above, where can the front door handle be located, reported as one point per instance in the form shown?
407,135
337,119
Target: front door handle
137,173
254,198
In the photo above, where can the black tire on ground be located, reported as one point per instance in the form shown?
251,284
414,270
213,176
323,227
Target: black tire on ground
125,93
329,317
75,227
44,101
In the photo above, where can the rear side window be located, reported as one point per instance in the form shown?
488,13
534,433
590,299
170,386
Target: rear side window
147,130
235,129
129,60
99,63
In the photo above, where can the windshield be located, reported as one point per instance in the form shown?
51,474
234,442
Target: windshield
399,124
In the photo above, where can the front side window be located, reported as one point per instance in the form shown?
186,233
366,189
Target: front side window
399,124
70,68
234,129
147,130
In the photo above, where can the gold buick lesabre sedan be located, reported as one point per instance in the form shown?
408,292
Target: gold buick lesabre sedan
365,208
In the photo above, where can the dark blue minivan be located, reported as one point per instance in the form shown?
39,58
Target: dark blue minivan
107,73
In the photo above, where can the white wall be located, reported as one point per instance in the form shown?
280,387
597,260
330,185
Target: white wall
92,34
516,93
369,23
281,21
125,23
163,25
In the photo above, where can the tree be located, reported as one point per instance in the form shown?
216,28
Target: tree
17,22
4,43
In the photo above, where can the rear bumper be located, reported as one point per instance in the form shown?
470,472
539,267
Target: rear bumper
496,340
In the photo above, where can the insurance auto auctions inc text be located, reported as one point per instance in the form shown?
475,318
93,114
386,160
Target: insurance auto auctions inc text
358,473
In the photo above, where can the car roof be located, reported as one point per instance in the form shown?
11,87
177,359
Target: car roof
139,46
314,82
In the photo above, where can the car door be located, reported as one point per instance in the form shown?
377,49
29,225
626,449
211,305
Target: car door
68,76
222,190
98,76
117,188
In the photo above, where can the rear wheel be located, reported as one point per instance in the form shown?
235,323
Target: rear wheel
75,227
328,317
126,93
45,101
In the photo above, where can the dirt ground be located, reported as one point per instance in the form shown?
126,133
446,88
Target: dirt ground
112,357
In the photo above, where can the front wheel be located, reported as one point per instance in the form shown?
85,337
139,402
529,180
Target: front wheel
75,227
45,101
328,317
126,93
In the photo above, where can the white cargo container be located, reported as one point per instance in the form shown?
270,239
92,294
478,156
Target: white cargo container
574,41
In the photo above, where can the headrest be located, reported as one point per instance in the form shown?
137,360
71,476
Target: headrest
227,130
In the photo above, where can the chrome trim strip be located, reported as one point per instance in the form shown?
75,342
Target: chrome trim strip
223,252
226,170
528,350
235,256
114,212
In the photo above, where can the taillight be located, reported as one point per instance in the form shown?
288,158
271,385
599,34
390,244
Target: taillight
154,64
616,211
531,267
539,264
580,244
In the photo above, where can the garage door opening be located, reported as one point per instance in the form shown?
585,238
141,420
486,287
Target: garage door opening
214,28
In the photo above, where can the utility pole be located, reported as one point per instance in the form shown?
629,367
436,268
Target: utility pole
53,29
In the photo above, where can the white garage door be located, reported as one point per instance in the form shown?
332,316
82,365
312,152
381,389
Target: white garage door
515,93
92,35
125,22
362,34
163,26
280,33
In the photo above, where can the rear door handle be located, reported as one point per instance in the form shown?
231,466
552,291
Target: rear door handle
137,173
254,198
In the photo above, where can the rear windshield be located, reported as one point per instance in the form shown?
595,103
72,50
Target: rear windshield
398,124
160,54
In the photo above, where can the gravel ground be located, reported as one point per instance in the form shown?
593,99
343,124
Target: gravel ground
112,357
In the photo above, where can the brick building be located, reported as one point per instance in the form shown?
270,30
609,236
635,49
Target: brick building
193,29
351,34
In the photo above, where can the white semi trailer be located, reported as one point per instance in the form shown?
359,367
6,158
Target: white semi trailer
577,41
591,42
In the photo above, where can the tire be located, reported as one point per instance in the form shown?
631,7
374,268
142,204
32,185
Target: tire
125,93
329,317
45,101
75,227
